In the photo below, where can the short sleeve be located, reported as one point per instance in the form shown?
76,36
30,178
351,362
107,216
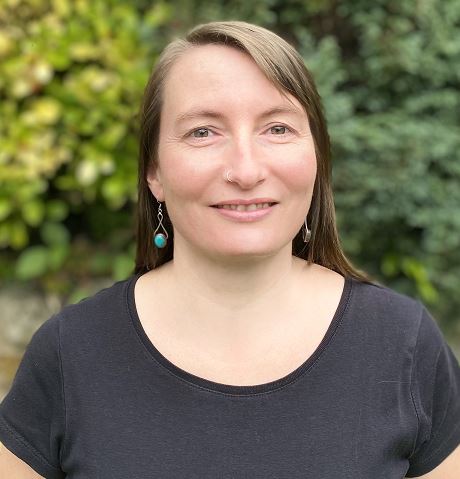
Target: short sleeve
435,387
32,416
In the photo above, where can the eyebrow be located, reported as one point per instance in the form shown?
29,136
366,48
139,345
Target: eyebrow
200,113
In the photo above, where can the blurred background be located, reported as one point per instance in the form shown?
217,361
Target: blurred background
72,73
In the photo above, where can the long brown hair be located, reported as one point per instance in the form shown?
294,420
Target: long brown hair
285,68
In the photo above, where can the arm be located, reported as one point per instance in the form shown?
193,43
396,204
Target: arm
32,414
435,388
12,466
448,469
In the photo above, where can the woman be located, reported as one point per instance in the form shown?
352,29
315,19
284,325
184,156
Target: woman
245,344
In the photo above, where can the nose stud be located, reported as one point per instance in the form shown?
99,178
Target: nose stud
228,177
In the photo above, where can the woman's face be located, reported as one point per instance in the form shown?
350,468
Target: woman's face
221,113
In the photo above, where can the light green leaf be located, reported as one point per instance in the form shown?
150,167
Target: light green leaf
33,212
18,235
6,207
32,262
54,234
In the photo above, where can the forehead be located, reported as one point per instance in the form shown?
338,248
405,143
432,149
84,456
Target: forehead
208,73
212,60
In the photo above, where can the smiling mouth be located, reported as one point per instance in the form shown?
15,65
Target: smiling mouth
251,207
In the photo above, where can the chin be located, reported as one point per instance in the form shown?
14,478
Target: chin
244,252
232,246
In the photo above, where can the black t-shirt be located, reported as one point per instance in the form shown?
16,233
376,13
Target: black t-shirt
94,399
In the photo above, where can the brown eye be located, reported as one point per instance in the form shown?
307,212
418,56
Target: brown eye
278,129
201,133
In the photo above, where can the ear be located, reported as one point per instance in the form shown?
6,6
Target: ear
154,182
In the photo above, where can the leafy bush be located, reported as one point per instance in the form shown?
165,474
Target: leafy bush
72,74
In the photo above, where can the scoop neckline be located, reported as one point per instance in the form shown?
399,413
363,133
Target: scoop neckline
236,390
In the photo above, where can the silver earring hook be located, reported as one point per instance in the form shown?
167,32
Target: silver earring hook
160,221
306,233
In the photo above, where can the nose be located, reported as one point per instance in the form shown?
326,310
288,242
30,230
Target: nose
246,164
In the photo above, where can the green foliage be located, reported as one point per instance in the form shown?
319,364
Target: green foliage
72,74
397,155
71,78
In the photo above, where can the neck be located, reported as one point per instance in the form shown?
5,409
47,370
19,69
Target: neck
233,286
229,307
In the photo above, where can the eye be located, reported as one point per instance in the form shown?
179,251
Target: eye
200,133
279,130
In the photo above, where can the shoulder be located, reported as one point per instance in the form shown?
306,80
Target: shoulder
383,318
384,296
379,300
374,302
82,321
369,304
79,332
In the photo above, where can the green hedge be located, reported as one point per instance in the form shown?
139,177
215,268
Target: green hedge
72,74
71,78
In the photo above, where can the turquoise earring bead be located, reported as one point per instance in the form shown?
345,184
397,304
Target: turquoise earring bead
160,240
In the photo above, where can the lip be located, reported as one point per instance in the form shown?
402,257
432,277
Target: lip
239,201
246,216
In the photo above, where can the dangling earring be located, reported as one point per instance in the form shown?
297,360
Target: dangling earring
306,233
160,238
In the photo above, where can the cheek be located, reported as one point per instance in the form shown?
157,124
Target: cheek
300,171
186,176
